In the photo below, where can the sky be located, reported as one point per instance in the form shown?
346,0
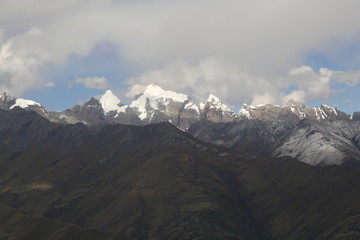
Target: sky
60,53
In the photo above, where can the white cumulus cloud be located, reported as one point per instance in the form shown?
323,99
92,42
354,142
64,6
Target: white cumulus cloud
238,49
234,85
18,71
94,82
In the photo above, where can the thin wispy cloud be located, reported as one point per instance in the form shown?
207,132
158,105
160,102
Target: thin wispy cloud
93,82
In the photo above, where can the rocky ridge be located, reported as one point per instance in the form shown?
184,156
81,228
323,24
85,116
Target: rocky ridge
155,105
292,111
329,142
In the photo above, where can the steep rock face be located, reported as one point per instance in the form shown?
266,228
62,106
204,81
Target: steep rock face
106,109
89,113
215,111
325,143
292,111
6,101
253,137
356,116
316,143
155,99
157,105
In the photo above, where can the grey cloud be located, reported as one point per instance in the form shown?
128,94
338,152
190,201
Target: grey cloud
259,35
235,86
17,73
257,40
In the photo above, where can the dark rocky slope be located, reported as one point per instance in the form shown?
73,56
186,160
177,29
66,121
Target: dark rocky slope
316,143
157,182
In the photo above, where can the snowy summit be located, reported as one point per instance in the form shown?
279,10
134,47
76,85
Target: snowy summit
214,103
24,103
157,98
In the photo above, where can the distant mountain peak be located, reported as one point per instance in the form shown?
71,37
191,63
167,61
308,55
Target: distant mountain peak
156,98
24,103
292,102
213,102
154,90
94,102
110,102
212,98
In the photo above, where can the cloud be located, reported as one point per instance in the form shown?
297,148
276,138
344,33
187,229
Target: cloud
235,86
250,32
256,40
308,85
351,78
94,82
18,72
214,75
50,84
317,86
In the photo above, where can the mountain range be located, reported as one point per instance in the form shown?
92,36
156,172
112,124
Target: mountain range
315,135
155,105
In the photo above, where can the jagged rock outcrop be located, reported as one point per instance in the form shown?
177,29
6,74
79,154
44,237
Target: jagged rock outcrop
329,142
292,111
215,111
356,116
6,101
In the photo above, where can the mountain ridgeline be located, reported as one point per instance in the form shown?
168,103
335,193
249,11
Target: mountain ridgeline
315,135
156,105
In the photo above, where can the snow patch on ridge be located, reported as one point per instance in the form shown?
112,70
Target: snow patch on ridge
191,106
244,111
331,109
24,103
312,147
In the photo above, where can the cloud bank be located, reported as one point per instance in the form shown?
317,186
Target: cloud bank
18,72
240,49
234,85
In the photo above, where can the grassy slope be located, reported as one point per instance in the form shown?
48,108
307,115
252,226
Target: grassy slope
163,191
16,225
297,201
156,182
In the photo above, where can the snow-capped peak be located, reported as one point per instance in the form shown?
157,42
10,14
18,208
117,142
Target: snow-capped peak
109,102
153,90
156,98
214,103
24,103
213,99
